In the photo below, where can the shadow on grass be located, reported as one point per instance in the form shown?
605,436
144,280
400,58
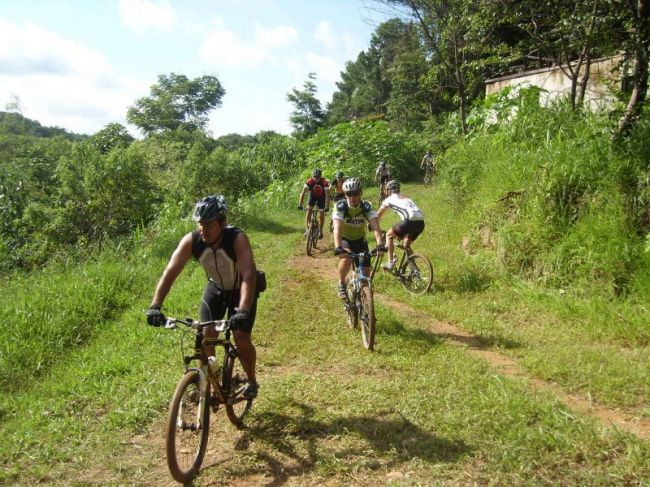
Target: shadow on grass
424,339
293,445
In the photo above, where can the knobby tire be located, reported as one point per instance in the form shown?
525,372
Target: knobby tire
417,274
234,380
351,310
310,242
367,318
188,426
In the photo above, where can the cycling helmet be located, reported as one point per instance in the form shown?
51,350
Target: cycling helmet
339,174
352,184
382,163
393,186
211,208
317,173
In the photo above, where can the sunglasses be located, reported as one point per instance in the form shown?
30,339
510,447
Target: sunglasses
352,193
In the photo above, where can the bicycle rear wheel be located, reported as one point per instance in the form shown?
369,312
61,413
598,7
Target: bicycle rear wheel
367,318
350,308
188,425
417,274
234,381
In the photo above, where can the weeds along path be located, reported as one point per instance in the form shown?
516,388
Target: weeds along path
631,421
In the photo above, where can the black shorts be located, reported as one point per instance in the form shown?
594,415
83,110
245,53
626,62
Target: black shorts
216,302
357,246
384,179
410,228
317,201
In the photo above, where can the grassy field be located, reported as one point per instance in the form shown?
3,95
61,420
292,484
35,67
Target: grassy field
418,411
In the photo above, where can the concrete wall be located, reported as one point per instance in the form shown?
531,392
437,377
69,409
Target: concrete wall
603,72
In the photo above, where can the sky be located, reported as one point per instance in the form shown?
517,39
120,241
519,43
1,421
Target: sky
79,64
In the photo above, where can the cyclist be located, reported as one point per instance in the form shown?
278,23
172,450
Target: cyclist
411,222
336,192
336,187
428,164
350,219
382,175
317,186
226,255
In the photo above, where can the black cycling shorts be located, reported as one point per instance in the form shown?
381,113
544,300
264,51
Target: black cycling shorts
412,228
319,201
357,246
215,302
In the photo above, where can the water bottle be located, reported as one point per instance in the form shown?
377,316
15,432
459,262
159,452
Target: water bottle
213,366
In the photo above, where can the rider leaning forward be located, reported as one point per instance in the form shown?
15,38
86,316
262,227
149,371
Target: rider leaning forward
411,222
226,255
351,216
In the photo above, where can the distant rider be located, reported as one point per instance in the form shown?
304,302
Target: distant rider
318,195
411,222
428,164
382,175
351,216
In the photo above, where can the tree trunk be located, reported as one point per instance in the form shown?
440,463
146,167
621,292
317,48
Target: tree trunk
584,81
640,80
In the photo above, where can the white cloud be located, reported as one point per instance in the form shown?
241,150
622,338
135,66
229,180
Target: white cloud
224,46
141,15
326,68
59,81
325,35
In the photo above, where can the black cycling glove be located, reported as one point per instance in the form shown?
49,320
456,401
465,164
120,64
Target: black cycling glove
155,317
300,207
381,248
239,320
338,251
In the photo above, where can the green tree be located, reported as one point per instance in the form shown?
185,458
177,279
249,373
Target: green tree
176,101
308,116
111,136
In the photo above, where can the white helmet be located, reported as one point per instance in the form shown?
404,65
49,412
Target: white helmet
351,184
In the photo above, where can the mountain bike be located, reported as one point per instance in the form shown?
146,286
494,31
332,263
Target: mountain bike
383,192
359,303
313,231
414,271
205,386
428,175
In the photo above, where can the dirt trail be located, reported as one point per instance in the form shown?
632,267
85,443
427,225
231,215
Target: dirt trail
630,421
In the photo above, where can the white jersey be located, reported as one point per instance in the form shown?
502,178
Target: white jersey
404,207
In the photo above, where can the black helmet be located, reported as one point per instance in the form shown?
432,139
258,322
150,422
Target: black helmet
211,208
393,186
339,174
318,173
382,163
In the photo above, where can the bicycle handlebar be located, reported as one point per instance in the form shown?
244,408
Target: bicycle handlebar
219,325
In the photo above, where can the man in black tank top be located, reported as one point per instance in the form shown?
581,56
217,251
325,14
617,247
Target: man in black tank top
226,255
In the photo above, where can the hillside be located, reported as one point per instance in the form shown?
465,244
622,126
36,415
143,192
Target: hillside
12,123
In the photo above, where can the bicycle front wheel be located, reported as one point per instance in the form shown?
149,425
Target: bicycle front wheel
310,241
188,425
351,308
367,318
234,381
417,274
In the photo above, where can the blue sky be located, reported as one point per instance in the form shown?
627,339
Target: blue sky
79,64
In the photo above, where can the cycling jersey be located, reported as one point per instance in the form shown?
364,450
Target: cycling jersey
355,219
336,188
404,207
317,187
220,265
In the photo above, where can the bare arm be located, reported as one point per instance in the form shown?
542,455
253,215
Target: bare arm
338,229
174,267
382,209
246,265
374,225
302,195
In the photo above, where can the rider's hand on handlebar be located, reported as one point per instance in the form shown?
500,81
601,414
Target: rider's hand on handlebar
339,250
300,207
326,209
239,320
381,248
155,317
